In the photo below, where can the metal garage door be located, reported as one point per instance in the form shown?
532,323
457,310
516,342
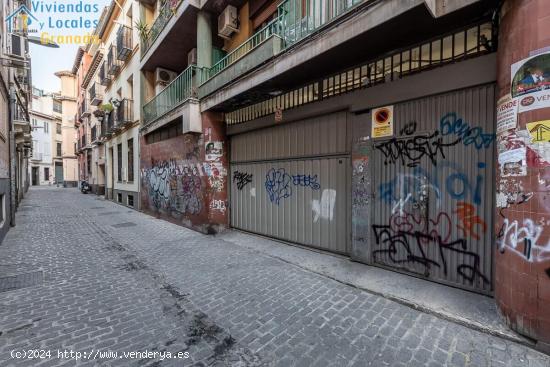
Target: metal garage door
434,189
292,182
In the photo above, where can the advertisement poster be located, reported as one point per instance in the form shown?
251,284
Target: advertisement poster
507,114
382,122
531,82
539,131
513,162
214,150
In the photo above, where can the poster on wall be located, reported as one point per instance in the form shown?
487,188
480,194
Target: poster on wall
213,150
531,82
513,162
507,113
539,131
382,122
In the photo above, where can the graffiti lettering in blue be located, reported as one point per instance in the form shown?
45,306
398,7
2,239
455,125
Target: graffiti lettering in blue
447,177
278,184
451,124
306,181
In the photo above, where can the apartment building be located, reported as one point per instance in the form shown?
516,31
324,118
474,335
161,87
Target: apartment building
15,96
64,110
367,128
43,123
120,74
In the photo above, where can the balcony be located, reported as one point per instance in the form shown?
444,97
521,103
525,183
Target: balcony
36,157
96,94
259,48
165,14
294,22
125,113
174,95
84,109
113,64
104,77
124,44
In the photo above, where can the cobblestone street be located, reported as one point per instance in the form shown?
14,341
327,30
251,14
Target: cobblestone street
81,274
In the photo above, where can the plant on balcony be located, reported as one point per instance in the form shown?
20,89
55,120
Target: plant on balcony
173,4
143,30
106,108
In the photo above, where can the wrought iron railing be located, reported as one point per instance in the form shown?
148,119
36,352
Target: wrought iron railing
113,64
165,14
125,112
104,77
96,94
124,44
178,91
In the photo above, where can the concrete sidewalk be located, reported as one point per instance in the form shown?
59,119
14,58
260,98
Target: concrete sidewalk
470,309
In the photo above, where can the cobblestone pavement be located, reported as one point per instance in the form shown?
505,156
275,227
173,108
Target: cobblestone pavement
95,276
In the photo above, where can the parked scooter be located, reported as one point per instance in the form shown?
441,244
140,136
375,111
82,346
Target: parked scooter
85,187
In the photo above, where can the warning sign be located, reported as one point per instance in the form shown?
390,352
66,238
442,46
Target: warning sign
382,122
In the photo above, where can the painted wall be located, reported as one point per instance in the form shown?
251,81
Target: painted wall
523,204
245,30
179,183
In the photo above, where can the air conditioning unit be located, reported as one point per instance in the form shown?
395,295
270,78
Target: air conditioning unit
17,45
164,76
192,57
228,22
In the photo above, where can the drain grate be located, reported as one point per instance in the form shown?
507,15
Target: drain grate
97,207
108,213
19,281
124,225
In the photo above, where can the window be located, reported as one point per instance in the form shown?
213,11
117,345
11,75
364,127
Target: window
46,127
47,173
130,160
131,200
89,163
34,122
119,197
57,107
119,159
58,128
58,151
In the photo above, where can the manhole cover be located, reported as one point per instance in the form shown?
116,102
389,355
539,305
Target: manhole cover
19,281
108,213
124,225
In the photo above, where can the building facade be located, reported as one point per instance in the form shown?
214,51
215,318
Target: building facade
408,135
41,167
15,127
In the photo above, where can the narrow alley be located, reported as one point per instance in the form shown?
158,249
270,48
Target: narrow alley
90,282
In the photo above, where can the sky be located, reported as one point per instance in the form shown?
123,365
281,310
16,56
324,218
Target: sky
54,21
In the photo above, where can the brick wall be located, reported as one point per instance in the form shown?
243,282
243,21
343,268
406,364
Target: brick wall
184,182
522,274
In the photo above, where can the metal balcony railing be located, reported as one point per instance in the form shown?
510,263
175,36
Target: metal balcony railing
104,77
111,123
96,94
295,20
19,114
165,14
84,108
125,113
113,64
124,42
178,91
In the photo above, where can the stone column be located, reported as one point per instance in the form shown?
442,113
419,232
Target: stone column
522,218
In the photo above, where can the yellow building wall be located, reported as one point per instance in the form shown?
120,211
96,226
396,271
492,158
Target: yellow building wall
245,30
